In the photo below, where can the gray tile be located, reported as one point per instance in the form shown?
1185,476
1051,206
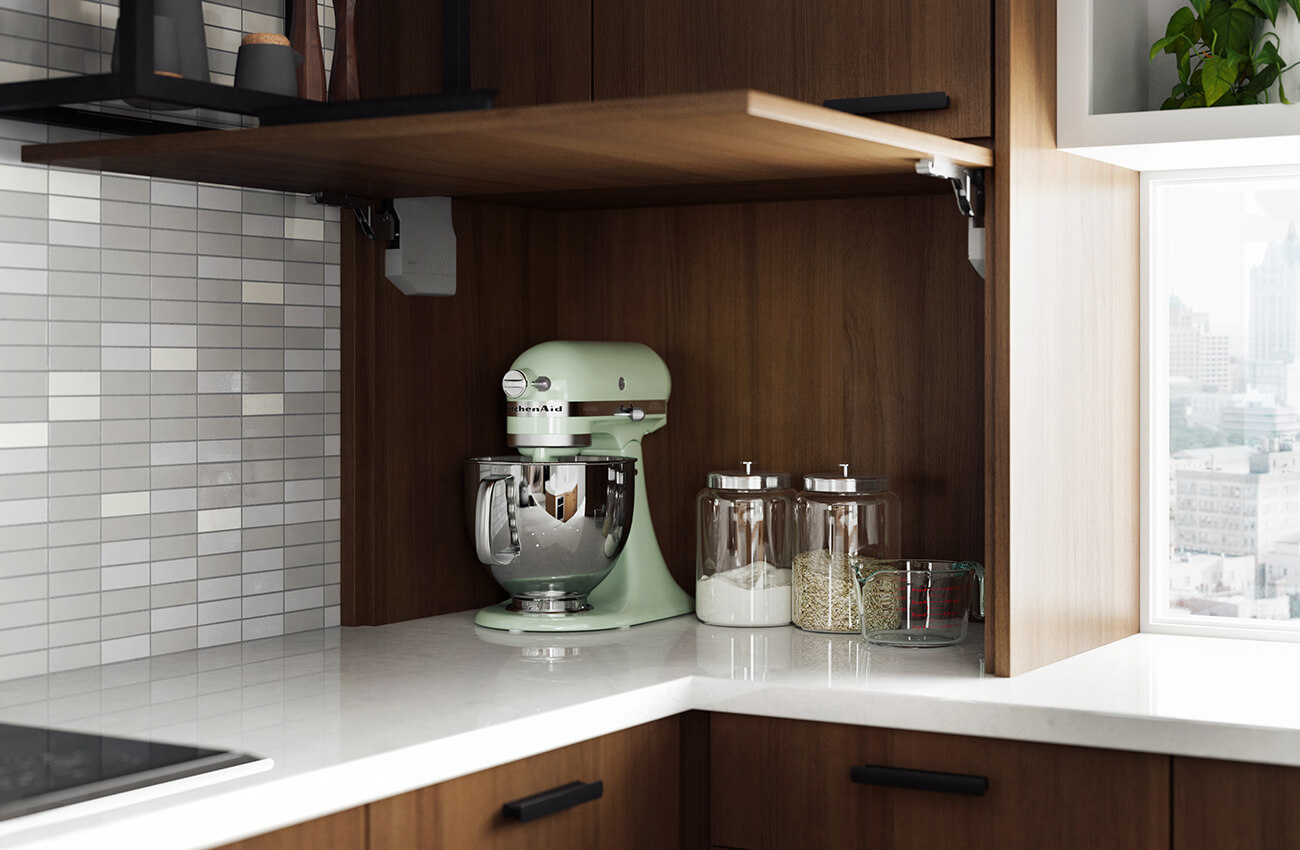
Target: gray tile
171,548
79,284
214,566
122,601
123,310
115,187
129,480
117,237
174,288
173,477
220,360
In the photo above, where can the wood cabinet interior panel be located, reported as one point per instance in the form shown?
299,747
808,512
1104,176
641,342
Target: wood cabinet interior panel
1218,804
799,335
345,830
785,784
639,769
807,51
1063,374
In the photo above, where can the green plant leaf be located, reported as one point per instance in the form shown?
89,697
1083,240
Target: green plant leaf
1199,6
1258,83
1218,75
1281,91
1295,6
1168,44
1232,24
1192,100
1182,20
1267,8
1268,55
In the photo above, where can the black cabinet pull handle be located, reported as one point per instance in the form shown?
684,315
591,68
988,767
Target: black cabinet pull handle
919,780
880,104
555,800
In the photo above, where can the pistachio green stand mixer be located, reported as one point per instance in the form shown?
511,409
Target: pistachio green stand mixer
576,412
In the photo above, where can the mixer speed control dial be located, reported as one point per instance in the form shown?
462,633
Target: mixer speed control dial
514,383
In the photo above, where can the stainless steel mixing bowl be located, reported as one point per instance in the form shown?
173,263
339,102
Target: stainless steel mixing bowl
549,531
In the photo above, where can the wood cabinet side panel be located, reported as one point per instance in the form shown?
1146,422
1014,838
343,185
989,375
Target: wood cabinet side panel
807,51
1218,804
344,830
1039,795
1063,372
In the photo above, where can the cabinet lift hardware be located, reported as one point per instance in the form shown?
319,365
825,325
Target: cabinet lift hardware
377,220
427,264
968,185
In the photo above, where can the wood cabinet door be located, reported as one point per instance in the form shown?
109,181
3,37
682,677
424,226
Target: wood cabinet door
638,768
342,831
1221,804
785,784
809,51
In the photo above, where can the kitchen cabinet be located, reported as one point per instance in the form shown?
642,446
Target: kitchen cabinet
780,784
807,51
1219,804
638,768
812,310
345,830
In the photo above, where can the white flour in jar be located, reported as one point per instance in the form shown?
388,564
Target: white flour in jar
756,594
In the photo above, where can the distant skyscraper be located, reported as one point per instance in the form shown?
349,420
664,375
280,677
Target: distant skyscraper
1194,352
1275,302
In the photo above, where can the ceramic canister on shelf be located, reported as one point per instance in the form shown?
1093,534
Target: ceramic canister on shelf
267,63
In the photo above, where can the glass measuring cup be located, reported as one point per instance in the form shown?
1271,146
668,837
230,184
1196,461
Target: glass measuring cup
920,603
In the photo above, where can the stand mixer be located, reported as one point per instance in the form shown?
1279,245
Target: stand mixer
588,403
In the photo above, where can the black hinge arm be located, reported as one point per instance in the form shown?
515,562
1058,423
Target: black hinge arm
377,220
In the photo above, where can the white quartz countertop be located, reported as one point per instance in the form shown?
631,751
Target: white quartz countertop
357,714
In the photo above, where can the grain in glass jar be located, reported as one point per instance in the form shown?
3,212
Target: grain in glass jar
843,523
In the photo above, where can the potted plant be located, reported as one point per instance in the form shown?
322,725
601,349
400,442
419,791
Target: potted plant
1225,55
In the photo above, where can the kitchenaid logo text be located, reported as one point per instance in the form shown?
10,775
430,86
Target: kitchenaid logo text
547,408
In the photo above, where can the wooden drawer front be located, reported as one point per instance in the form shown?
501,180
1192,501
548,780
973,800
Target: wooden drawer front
637,810
807,51
342,831
1221,804
785,784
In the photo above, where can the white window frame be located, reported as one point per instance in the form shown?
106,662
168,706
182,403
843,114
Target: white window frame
1154,459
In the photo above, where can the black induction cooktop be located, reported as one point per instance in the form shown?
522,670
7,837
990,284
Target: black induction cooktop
43,769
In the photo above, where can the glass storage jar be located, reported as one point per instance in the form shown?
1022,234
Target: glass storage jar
843,523
744,525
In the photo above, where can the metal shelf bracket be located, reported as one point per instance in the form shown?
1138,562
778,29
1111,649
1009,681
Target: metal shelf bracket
968,185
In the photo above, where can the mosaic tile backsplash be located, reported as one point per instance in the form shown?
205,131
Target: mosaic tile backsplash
169,388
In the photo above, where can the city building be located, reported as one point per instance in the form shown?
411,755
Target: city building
1226,507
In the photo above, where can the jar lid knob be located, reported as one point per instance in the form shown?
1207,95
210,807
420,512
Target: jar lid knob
845,467
748,464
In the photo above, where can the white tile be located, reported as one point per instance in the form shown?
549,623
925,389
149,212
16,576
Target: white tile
74,632
74,233
219,519
25,639
24,178
82,184
263,293
263,404
74,383
76,583
264,627
127,575
170,454
124,504
23,665
307,597
124,334
24,588
174,336
21,435
222,587
124,649
165,572
304,228
219,634
263,559
69,409
35,281
173,194
174,359
74,607
74,657
23,255
124,552
14,461
74,209
178,617
220,610
29,613
170,501
124,359
220,382
24,512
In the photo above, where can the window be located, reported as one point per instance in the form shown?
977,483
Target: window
1221,402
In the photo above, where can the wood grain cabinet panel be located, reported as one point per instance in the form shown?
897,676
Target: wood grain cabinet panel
808,51
639,807
345,830
1220,804
780,784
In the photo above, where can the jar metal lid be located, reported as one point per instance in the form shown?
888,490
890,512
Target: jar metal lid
830,482
741,480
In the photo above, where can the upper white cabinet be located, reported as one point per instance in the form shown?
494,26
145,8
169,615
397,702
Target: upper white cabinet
1109,96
